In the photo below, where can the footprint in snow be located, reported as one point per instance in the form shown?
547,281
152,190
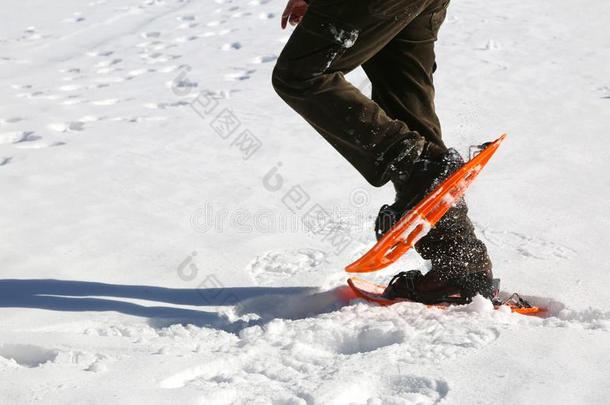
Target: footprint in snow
158,57
38,145
605,90
21,86
153,34
188,25
10,120
225,31
71,78
171,68
15,137
181,85
491,45
241,14
109,80
39,95
28,356
69,70
73,126
264,59
162,46
33,94
147,44
73,100
106,102
184,39
104,54
108,70
163,106
420,390
186,18
76,18
135,120
231,46
26,140
528,246
71,87
139,72
239,75
108,63
278,266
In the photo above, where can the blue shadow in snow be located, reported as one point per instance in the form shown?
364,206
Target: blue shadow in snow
77,296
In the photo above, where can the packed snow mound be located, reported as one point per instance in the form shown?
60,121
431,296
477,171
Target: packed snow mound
480,305
319,359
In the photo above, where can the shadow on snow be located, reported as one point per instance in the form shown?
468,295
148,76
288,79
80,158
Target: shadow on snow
79,296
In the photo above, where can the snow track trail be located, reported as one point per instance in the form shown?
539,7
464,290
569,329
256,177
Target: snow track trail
150,254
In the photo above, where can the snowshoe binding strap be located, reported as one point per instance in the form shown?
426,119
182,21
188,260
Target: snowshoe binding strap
404,285
514,301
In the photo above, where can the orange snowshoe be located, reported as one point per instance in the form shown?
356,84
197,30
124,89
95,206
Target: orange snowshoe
419,220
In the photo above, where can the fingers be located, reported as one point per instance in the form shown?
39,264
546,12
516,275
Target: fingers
293,13
295,19
286,14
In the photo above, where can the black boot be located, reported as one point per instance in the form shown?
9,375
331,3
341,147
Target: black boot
434,288
460,264
413,185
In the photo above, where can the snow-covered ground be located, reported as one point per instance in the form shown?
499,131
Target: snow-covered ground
156,197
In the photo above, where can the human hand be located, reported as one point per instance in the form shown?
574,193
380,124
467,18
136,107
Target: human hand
294,12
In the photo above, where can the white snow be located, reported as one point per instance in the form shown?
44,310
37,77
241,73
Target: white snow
185,243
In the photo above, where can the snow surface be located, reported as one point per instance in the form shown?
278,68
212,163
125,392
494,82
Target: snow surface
151,256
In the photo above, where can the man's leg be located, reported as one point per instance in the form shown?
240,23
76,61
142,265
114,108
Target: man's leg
402,77
402,73
335,37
